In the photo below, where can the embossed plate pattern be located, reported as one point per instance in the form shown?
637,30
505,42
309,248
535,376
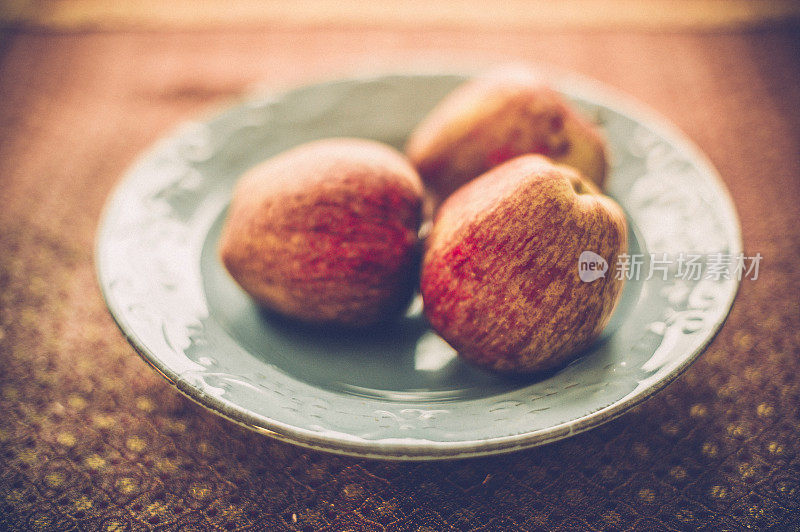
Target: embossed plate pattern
398,392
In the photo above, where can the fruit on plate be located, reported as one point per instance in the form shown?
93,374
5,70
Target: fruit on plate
327,232
496,117
500,274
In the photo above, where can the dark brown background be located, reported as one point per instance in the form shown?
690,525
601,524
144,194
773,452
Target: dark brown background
91,437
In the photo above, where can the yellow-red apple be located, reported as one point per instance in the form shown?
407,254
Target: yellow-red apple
496,117
327,232
500,275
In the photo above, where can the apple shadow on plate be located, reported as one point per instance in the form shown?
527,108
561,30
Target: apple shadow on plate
400,360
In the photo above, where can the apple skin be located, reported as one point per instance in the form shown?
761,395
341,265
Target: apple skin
495,117
327,232
499,277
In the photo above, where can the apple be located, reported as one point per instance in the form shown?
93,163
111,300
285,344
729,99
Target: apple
327,232
500,273
496,117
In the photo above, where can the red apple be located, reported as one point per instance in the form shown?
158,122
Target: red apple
500,276
327,232
494,118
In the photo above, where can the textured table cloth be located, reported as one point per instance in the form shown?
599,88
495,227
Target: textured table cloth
91,437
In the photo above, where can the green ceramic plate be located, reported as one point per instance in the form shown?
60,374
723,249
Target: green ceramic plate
398,392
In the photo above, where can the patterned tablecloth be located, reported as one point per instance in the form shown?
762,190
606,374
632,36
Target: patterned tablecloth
91,437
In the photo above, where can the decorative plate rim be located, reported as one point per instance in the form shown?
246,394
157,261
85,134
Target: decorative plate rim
417,449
